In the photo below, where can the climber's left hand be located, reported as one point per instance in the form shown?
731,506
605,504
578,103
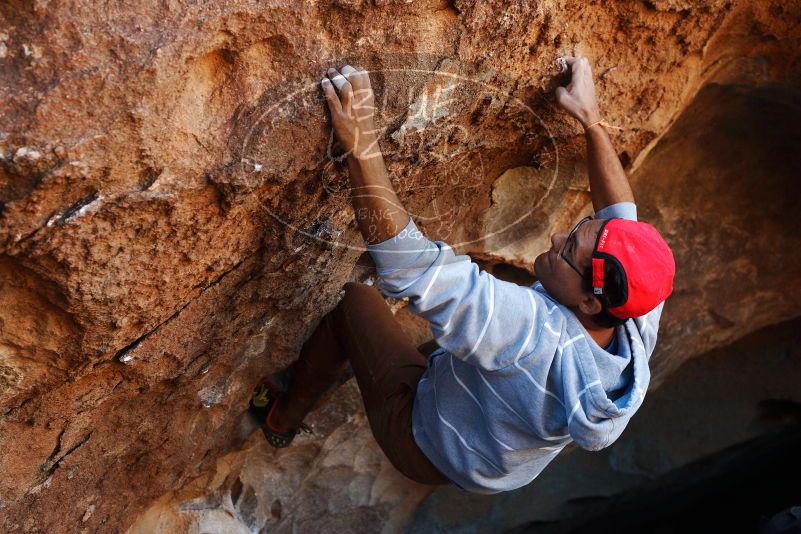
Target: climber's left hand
352,107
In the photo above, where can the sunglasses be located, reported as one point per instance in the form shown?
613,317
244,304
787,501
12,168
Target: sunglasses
570,236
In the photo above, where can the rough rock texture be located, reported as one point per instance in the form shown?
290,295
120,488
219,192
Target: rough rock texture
172,222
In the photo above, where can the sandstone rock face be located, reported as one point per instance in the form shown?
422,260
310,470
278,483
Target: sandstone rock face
174,220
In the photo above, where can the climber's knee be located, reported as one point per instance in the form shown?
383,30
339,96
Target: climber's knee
358,299
355,291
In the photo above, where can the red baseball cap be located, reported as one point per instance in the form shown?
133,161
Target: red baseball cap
644,259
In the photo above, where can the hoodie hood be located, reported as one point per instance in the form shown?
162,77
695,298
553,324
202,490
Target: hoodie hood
596,418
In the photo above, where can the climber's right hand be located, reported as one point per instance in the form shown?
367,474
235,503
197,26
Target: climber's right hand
352,107
578,98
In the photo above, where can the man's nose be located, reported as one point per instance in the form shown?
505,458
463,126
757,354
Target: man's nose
556,241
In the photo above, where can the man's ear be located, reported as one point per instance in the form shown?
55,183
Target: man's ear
590,305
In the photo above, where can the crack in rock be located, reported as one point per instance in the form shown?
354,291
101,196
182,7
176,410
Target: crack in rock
127,353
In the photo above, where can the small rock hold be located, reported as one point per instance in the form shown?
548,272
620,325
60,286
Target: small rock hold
88,513
40,7
212,396
32,51
44,485
27,155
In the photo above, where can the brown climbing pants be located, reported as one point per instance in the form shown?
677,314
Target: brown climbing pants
387,366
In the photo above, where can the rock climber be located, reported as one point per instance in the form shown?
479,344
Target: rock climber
519,372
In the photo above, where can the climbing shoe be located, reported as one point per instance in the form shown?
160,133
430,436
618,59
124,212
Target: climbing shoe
262,404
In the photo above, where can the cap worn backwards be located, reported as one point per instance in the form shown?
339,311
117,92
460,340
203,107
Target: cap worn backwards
644,259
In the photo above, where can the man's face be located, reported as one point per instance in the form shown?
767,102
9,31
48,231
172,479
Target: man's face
557,277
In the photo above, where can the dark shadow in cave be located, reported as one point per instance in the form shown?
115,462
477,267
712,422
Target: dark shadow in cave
736,490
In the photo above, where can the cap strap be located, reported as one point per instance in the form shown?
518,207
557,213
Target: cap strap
598,276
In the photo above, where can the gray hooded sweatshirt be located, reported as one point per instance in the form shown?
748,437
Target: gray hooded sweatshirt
516,377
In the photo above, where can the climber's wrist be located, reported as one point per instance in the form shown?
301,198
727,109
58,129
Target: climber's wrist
366,148
367,168
589,119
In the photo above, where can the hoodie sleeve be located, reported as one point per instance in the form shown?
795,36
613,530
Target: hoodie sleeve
476,317
620,210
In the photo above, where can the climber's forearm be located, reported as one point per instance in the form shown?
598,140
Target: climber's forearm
608,181
378,209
